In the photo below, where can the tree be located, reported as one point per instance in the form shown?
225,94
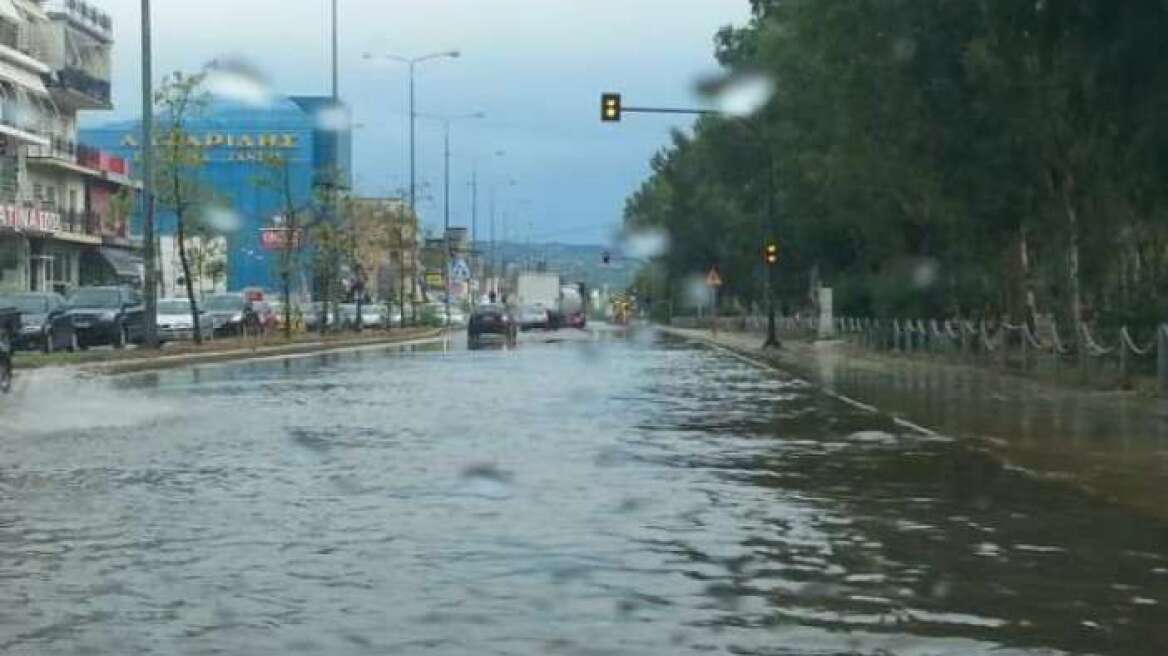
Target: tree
972,159
179,188
277,177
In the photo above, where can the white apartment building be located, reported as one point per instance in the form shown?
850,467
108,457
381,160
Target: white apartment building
64,208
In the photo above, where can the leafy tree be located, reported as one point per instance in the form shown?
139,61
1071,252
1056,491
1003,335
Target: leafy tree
178,187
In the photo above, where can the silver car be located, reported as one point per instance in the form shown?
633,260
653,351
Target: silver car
175,324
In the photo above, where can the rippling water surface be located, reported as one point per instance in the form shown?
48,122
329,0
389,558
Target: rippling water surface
617,496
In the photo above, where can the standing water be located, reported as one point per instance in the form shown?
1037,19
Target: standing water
640,496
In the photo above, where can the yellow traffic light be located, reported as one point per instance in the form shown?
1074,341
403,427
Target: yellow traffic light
610,107
771,254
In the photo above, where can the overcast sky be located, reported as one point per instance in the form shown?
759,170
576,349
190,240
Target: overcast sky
535,67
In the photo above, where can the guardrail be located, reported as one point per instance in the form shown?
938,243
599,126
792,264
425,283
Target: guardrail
995,343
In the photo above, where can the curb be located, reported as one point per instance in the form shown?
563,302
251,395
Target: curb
164,362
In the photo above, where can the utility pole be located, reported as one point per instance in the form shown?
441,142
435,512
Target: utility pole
336,90
149,248
474,226
446,216
494,271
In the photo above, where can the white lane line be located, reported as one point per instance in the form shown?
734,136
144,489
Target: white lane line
899,421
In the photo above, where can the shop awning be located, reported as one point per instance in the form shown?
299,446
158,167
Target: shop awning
126,264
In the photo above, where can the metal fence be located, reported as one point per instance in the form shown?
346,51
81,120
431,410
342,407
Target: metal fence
1019,347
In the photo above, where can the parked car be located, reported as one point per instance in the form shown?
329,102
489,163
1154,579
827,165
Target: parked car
106,315
45,322
314,312
278,309
394,316
175,324
491,320
372,315
9,328
227,313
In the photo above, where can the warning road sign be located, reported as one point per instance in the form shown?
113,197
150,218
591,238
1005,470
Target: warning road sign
713,279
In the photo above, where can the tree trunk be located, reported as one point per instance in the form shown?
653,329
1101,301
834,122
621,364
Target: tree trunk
1028,296
190,284
1074,289
285,279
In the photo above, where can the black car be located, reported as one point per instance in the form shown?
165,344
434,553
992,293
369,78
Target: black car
228,312
106,315
45,322
494,320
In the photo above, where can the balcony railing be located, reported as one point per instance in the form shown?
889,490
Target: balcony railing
58,148
79,153
77,80
82,223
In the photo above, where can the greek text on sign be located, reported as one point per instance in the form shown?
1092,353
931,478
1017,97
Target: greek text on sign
278,239
29,218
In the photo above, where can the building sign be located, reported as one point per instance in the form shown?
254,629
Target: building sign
29,218
278,239
222,140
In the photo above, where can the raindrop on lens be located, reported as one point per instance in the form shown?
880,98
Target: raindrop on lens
236,79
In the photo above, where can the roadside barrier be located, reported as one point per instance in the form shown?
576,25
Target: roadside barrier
1024,346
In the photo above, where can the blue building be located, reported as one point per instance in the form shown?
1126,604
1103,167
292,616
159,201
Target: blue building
237,138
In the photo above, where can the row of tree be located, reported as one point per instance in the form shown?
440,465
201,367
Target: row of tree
926,159
328,238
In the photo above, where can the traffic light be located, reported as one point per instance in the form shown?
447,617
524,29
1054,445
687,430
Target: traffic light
770,253
610,107
606,257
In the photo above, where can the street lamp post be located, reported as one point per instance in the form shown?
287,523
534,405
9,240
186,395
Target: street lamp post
446,248
148,245
412,63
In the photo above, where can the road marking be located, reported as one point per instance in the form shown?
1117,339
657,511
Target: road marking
762,364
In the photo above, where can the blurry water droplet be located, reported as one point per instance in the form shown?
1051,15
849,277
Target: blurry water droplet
646,244
904,48
941,589
236,79
222,219
738,94
925,273
695,291
334,119
486,480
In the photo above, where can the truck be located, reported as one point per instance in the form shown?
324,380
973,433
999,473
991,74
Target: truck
572,308
538,289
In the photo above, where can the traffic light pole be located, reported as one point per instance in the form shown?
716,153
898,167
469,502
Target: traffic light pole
772,338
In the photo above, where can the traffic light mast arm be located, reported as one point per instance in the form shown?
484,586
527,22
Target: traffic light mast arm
669,110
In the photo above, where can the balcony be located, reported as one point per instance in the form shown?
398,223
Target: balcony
79,89
81,223
69,155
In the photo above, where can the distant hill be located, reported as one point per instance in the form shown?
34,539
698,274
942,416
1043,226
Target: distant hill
574,262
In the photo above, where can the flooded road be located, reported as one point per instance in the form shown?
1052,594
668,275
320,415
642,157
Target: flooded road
576,495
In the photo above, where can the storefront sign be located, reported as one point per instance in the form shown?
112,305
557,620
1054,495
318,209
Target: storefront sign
278,239
29,218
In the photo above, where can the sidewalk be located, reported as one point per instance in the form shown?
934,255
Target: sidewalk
1113,444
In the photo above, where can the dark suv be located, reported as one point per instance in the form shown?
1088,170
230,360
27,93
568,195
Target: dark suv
493,320
106,315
